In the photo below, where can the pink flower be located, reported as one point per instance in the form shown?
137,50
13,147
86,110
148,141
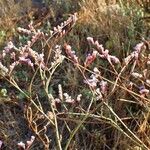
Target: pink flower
79,97
90,40
13,55
106,53
1,143
68,98
114,59
135,55
31,27
29,143
24,30
22,58
98,94
57,100
103,86
90,58
136,75
128,59
92,82
143,90
26,60
40,58
21,145
9,46
99,47
74,17
12,66
139,46
70,53
97,44
67,47
3,54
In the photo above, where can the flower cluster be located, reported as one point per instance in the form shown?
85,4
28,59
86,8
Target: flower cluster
58,57
25,31
62,29
69,99
70,53
92,81
26,54
27,145
90,58
143,91
135,54
99,86
103,53
65,97
1,143
3,70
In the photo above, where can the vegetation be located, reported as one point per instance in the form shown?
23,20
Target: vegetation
76,77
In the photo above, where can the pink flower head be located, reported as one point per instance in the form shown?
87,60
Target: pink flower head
128,59
135,55
12,66
97,44
1,143
68,98
136,75
114,59
92,82
29,63
90,58
79,97
9,46
55,29
139,46
90,40
29,143
26,31
68,47
70,53
31,27
106,53
26,60
143,90
101,48
21,145
40,58
74,17
59,28
98,94
103,86
13,55
57,100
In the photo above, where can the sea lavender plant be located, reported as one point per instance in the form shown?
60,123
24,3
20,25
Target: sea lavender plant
36,61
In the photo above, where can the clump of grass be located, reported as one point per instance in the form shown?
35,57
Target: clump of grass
10,13
112,24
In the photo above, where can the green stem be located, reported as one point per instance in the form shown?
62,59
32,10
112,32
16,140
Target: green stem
79,125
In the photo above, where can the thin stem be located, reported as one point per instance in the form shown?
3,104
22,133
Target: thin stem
79,125
12,82
139,142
